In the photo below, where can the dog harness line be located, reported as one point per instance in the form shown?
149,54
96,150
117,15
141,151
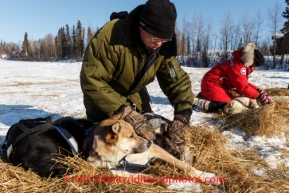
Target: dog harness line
236,99
63,132
25,131
69,138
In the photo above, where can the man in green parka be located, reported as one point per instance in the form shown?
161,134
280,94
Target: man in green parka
124,56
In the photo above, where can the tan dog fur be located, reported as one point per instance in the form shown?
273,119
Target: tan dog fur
114,139
240,105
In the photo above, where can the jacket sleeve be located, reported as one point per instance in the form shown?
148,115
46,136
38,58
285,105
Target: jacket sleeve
253,86
176,84
238,78
97,70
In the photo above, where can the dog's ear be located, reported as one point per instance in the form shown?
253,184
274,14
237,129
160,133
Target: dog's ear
111,135
231,105
115,127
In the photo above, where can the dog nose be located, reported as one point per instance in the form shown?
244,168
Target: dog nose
149,144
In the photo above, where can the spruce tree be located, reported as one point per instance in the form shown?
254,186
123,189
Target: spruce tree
25,52
68,42
89,35
286,16
83,35
1,47
63,43
74,43
58,44
79,40
285,42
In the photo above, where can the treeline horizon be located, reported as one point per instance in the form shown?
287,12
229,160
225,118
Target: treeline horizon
69,43
196,39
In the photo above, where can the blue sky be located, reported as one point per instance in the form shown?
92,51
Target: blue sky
41,17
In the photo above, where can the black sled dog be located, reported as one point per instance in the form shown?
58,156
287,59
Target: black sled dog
35,143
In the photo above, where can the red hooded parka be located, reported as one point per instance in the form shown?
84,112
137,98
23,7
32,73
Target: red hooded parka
232,74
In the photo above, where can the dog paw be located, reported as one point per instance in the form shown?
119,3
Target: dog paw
205,177
186,155
191,187
219,190
255,107
210,178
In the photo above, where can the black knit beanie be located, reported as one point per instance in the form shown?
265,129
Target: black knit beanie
158,17
259,59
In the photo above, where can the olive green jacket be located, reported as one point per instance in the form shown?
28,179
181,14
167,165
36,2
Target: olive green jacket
115,71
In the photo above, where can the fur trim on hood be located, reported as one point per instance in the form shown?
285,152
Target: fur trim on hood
248,54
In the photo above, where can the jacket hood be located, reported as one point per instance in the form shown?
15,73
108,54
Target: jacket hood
128,34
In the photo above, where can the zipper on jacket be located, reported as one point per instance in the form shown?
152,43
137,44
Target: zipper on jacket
149,61
147,64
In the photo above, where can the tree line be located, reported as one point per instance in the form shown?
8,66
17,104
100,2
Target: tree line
69,43
199,43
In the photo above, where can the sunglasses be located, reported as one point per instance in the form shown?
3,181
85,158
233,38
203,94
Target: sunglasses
160,40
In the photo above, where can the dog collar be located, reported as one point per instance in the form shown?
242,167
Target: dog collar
124,165
91,139
241,103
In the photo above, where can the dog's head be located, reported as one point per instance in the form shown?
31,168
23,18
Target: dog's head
234,107
240,105
117,137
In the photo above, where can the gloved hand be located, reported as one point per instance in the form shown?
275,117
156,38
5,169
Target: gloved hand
264,99
175,136
141,125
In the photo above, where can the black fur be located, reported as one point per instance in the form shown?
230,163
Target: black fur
37,150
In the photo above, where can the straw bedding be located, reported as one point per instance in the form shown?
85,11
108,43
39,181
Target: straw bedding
209,151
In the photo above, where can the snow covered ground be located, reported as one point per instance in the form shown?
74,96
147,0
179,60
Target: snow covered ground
39,89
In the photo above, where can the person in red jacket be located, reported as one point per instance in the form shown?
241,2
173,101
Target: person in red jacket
230,79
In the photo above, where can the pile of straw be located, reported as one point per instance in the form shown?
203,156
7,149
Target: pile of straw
268,121
208,151
277,91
